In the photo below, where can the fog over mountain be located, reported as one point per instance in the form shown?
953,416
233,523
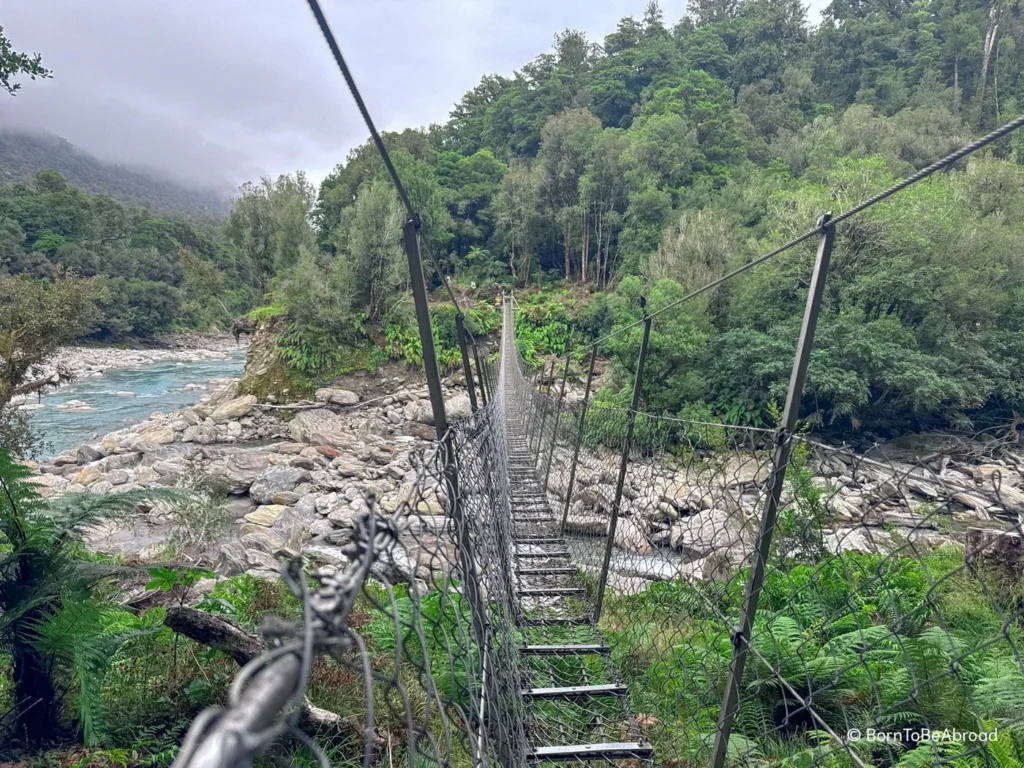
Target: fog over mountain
215,93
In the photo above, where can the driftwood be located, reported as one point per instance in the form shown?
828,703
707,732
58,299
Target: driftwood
221,634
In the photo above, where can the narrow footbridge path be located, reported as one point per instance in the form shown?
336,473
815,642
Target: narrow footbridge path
575,707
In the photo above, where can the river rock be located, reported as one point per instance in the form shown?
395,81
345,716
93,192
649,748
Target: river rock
87,476
631,537
700,534
276,480
118,476
337,396
233,409
864,541
146,475
241,470
459,407
266,515
75,405
285,498
157,434
320,427
201,434
88,454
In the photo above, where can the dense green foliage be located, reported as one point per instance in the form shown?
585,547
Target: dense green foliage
53,622
885,643
155,273
661,159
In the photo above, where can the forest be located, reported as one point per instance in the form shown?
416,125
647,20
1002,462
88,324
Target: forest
664,156
147,273
644,164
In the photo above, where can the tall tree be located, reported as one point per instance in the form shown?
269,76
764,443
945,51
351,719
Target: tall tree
565,143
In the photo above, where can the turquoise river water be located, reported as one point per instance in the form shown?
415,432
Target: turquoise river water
157,387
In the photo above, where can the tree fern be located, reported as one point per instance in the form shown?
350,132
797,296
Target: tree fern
49,622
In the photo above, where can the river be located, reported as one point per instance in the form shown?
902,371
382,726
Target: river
156,387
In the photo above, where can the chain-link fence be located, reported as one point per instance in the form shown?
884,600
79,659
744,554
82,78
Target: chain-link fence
888,621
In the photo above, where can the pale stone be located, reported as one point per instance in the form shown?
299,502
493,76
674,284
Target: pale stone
320,427
158,434
337,396
233,409
118,477
87,476
266,515
459,407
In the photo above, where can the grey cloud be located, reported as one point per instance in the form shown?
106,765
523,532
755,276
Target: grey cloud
220,91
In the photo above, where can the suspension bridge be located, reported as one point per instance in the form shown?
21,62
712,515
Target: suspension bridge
614,587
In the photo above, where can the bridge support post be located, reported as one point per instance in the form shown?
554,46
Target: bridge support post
419,297
638,384
783,446
558,419
460,326
464,542
544,408
481,375
579,440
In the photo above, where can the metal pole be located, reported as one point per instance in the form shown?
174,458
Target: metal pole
558,418
464,548
544,403
481,376
638,384
579,440
783,444
529,411
464,348
419,296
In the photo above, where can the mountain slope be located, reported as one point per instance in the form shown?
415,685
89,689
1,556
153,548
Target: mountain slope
22,154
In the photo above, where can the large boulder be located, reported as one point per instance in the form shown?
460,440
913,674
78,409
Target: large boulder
337,396
459,407
201,434
266,515
240,470
88,476
233,409
88,454
277,480
631,536
157,434
699,535
320,427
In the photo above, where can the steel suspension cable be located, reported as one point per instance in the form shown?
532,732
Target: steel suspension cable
332,43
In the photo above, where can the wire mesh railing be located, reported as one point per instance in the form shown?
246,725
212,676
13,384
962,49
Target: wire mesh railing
887,626
572,582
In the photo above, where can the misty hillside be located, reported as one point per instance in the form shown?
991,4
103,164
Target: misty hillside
22,154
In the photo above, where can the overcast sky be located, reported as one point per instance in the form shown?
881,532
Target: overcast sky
216,92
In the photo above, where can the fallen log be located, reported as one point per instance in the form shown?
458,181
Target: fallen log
224,635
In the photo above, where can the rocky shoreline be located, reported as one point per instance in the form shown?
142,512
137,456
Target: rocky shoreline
297,479
299,476
93,361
